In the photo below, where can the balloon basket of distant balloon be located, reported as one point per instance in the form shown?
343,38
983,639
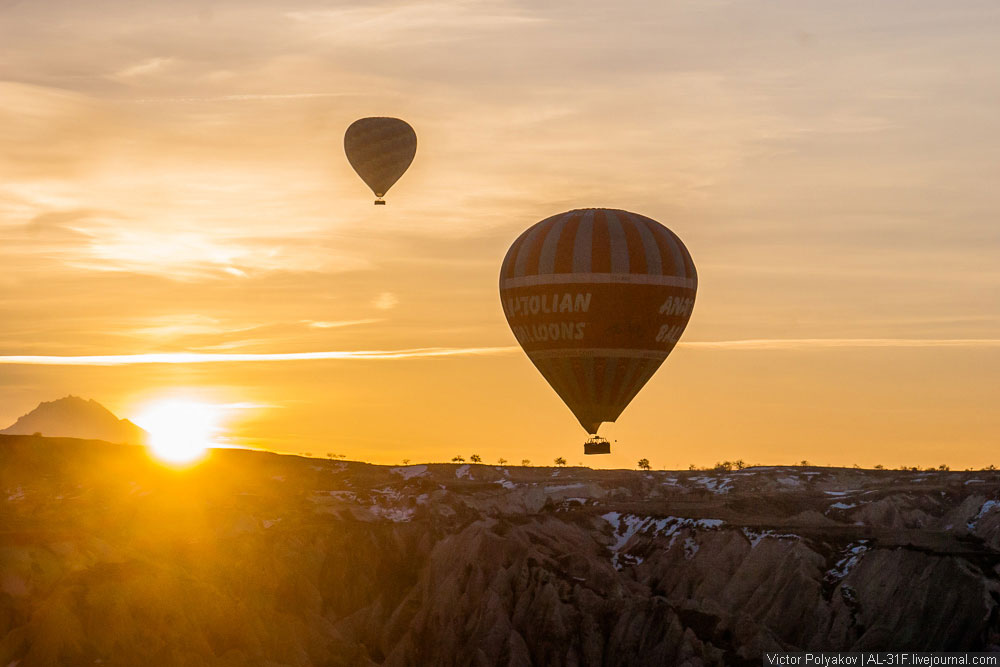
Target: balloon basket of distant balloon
596,445
380,202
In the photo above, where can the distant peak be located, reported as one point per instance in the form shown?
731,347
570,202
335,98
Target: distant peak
76,417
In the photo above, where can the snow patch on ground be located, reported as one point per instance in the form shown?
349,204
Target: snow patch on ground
987,507
690,548
849,557
755,536
463,471
506,483
628,525
714,485
394,514
843,506
389,493
624,533
563,487
789,481
409,472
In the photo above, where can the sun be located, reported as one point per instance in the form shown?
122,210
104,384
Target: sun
180,431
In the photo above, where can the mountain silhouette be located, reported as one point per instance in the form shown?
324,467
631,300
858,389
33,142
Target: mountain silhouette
75,417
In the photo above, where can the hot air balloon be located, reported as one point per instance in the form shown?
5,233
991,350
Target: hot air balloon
380,150
597,298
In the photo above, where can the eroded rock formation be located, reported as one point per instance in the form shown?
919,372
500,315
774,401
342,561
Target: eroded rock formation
257,559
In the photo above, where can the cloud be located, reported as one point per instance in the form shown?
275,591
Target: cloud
828,343
341,323
411,23
176,325
194,255
386,301
262,97
149,66
207,358
430,352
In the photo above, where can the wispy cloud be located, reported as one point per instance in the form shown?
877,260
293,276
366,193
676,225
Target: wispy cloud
249,97
341,323
148,66
429,352
208,358
827,343
386,301
412,21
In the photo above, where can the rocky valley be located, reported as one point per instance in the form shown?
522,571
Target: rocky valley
251,558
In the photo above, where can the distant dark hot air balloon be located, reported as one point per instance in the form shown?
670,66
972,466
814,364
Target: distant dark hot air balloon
597,298
380,150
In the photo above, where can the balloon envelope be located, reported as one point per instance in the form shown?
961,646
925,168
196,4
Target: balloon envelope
380,150
597,298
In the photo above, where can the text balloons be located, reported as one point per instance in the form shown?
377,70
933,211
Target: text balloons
380,150
597,298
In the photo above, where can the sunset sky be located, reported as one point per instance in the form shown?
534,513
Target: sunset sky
172,180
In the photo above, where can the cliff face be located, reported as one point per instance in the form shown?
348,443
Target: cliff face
252,558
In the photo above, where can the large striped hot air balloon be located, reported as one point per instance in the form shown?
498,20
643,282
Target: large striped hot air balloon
380,150
597,298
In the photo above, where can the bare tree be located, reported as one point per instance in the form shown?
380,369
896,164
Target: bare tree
406,462
501,460
526,462
644,464
458,459
560,461
475,458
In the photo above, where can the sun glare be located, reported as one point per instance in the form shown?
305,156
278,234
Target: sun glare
180,431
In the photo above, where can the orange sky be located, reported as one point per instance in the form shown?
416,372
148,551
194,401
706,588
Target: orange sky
173,181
